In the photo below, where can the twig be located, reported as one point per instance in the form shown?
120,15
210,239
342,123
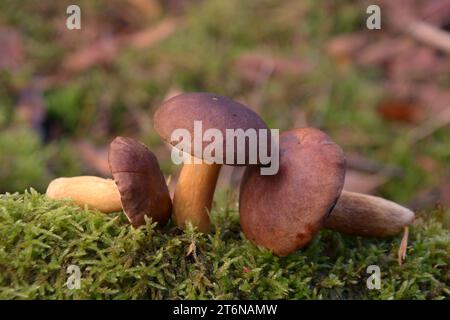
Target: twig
429,34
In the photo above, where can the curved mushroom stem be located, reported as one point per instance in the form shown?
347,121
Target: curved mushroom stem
96,193
368,216
194,193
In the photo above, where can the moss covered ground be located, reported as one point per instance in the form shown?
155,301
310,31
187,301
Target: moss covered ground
41,238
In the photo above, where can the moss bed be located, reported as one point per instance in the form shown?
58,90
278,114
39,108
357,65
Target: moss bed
39,239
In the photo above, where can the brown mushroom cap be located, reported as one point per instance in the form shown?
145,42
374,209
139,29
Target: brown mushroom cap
215,112
283,212
141,184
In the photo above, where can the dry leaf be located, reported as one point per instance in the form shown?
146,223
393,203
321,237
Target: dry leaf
434,98
256,67
106,49
191,249
151,36
93,158
419,63
362,182
346,46
100,52
381,51
172,92
436,11
359,162
11,49
401,111
148,8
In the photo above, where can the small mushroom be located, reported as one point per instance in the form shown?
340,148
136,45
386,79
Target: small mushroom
138,188
141,184
283,212
197,181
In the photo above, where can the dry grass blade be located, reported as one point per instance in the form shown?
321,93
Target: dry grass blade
191,249
403,246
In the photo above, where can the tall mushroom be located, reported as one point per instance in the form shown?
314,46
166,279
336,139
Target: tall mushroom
139,187
283,212
197,181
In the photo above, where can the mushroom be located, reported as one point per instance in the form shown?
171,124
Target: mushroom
301,198
283,212
368,216
139,187
197,181
94,192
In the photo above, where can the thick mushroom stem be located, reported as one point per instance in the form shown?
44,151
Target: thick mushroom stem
368,216
96,193
194,193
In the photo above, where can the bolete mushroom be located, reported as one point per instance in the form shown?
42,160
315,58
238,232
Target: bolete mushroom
138,188
197,181
94,192
283,212
368,216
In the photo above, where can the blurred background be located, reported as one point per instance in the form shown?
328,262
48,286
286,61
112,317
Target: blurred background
383,95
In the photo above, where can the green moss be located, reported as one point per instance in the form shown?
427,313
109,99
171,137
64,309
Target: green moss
22,160
39,239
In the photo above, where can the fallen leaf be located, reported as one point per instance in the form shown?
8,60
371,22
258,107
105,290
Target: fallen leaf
436,11
359,162
255,67
148,8
418,63
356,181
151,36
98,53
104,50
11,49
378,53
346,46
433,98
401,111
191,249
172,92
93,158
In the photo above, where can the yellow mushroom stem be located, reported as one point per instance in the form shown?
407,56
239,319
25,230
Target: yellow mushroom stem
194,193
93,192
369,216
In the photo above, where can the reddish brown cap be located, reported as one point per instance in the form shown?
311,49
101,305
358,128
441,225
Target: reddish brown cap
141,184
283,212
215,112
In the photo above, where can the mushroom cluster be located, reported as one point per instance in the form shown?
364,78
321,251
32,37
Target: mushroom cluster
281,212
